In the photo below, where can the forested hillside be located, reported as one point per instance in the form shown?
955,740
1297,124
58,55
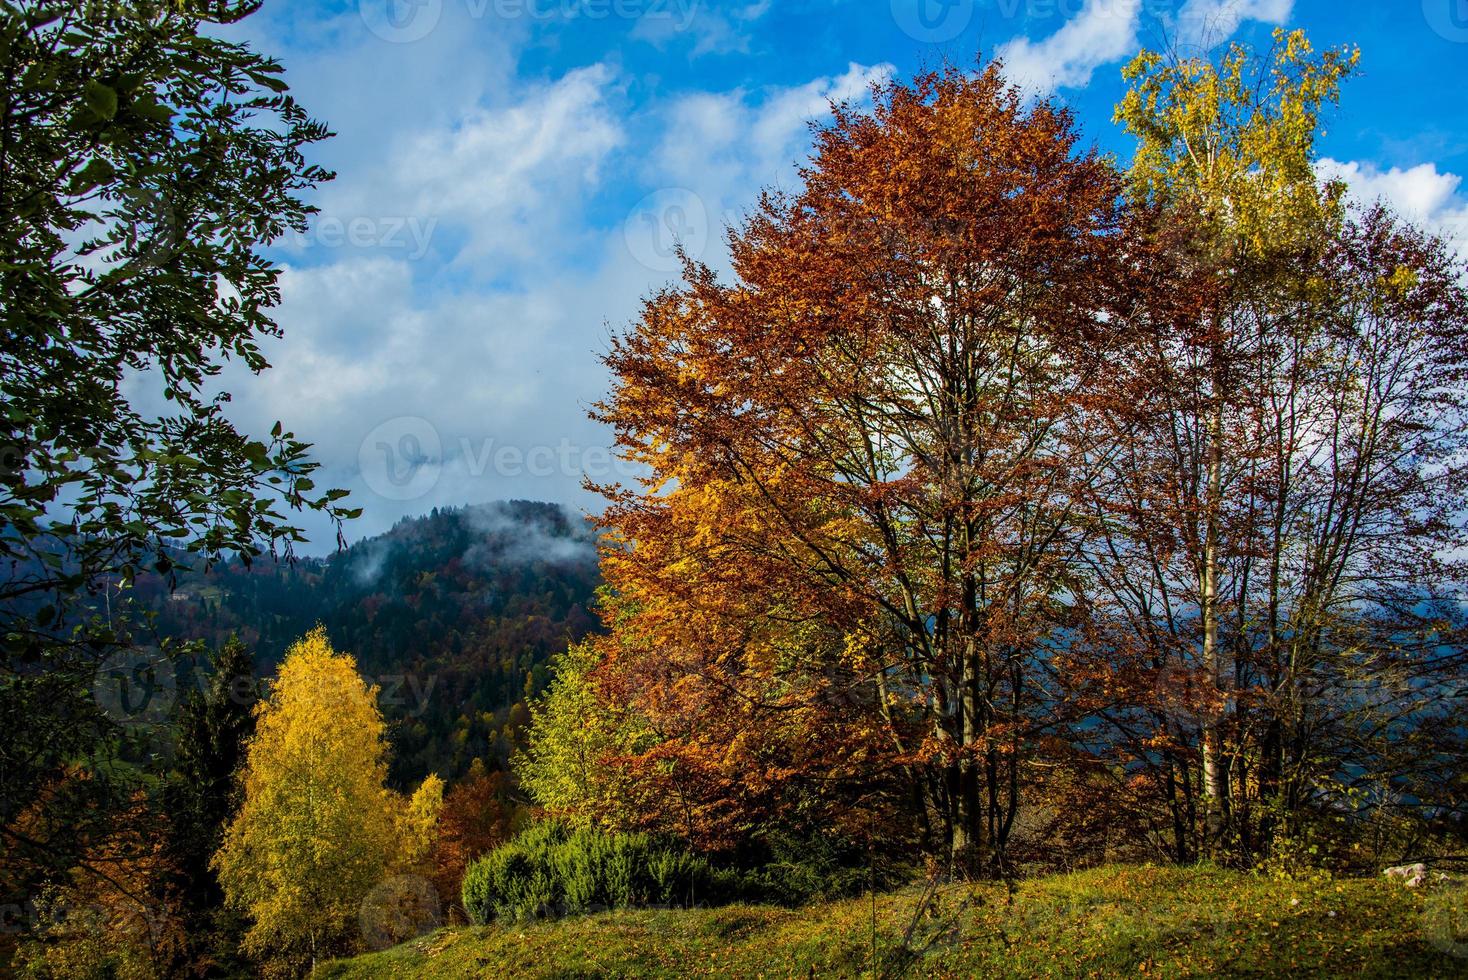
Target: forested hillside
455,616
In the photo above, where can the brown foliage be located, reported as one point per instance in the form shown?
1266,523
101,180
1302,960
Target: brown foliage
862,458
477,816
979,468
121,912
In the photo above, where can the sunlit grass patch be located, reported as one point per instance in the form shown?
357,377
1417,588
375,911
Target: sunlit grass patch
1150,921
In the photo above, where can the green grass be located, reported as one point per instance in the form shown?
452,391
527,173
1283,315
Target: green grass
1108,922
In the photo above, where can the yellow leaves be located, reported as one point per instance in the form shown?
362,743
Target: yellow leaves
1140,65
418,822
856,645
737,750
316,831
1236,140
1401,282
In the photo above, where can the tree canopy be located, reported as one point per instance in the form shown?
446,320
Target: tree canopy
317,827
144,162
998,482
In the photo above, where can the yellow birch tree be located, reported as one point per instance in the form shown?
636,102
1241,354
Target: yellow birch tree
317,830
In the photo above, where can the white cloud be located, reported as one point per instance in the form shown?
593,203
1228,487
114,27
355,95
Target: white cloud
716,151
726,146
1107,31
1103,32
1421,194
780,124
497,178
508,370
492,338
369,90
1209,22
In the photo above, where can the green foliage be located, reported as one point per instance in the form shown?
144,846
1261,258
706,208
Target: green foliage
213,726
796,870
555,868
564,765
147,159
552,869
176,154
200,794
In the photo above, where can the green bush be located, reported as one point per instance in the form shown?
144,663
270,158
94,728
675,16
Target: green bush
795,870
552,870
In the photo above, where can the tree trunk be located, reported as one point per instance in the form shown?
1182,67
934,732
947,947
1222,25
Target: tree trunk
1215,779
966,800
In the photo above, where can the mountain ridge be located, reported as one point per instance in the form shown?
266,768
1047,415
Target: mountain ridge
455,615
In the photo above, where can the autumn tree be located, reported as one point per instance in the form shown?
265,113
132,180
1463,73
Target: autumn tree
570,762
120,911
683,737
417,823
1285,492
859,518
1355,648
478,814
316,831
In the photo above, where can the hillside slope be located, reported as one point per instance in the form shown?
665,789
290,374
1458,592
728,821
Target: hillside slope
455,615
1107,922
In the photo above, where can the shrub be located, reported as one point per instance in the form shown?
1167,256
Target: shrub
552,870
797,869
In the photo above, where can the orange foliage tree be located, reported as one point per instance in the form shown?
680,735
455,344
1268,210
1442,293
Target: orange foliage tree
477,816
845,576
119,912
991,471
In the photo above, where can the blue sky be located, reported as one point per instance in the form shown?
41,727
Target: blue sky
512,175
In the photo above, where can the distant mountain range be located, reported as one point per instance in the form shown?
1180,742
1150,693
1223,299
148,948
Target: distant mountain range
455,615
